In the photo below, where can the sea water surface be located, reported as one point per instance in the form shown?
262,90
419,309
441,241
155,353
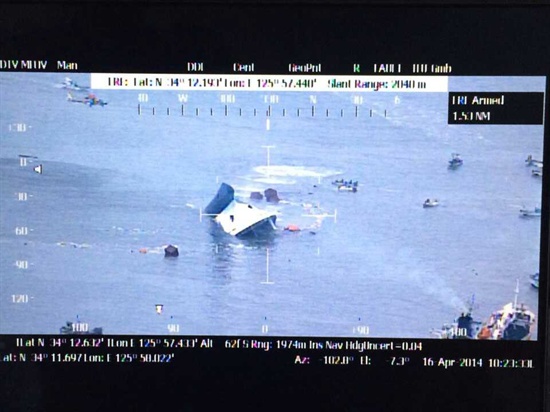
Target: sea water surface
114,182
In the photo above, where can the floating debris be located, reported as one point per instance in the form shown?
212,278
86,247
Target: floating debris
271,196
74,245
292,228
171,251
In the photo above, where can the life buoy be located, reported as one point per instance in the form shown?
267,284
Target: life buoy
292,228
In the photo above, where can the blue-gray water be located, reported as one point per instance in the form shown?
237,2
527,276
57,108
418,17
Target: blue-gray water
114,182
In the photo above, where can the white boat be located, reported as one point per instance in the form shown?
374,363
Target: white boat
455,161
70,84
347,188
537,172
530,212
535,280
238,218
90,100
431,203
532,162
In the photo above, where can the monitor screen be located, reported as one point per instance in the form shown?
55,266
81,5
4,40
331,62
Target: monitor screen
335,207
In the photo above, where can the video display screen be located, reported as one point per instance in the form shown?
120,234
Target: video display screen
349,206
227,205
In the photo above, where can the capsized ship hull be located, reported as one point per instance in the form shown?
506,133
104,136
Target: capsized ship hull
237,218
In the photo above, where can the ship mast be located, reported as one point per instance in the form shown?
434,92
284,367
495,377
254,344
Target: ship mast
516,294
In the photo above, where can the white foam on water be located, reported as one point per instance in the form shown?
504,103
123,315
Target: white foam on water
295,171
275,181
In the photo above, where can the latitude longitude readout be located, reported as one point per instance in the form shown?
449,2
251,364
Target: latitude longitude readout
300,352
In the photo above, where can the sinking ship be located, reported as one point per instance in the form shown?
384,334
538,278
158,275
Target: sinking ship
238,218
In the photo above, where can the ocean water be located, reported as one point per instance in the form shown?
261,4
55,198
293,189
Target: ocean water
115,182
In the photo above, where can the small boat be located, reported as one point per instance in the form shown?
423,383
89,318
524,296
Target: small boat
430,203
537,172
70,84
530,212
532,162
346,188
90,100
455,161
79,328
535,280
343,182
238,218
